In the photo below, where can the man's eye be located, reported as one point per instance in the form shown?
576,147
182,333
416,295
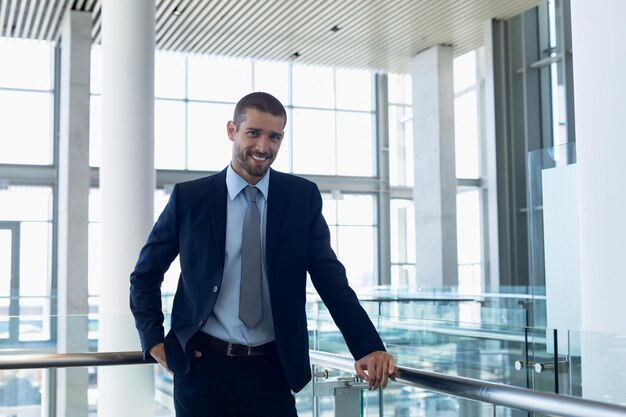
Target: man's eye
275,137
253,133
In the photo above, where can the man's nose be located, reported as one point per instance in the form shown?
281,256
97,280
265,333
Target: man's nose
263,144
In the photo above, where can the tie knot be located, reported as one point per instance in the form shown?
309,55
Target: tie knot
251,193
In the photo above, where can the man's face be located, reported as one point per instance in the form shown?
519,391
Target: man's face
255,143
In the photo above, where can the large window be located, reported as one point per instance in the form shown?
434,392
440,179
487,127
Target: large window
25,102
353,230
466,116
26,138
25,263
330,130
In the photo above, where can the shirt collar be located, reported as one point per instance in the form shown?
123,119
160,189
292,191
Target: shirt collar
235,183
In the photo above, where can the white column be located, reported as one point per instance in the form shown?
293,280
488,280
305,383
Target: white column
73,208
127,182
434,193
599,59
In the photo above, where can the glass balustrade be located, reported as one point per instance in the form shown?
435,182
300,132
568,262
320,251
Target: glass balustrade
482,337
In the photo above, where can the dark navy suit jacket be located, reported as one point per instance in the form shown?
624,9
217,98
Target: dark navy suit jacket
193,224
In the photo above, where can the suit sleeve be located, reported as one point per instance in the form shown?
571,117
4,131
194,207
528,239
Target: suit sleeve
154,260
329,278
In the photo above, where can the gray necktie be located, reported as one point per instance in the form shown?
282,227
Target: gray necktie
250,296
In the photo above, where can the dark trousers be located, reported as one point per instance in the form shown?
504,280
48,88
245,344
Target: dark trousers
218,385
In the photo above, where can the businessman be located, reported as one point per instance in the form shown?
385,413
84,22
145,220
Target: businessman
247,236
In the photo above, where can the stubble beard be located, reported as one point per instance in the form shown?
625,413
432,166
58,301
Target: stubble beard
254,171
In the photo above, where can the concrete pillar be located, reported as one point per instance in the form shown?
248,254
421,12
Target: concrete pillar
599,60
127,182
434,193
73,208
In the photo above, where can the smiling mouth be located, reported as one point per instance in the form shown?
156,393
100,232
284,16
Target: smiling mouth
259,157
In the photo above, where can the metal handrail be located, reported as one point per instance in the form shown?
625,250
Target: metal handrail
468,388
487,392
71,360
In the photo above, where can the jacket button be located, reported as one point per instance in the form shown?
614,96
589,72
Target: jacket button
215,289
201,323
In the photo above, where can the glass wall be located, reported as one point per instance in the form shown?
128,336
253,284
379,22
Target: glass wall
330,113
26,210
330,136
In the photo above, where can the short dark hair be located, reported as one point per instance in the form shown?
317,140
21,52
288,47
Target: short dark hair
262,102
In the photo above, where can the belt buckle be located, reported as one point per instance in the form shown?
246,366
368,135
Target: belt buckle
229,351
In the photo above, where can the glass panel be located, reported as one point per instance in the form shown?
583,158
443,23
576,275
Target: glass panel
540,360
355,144
466,135
401,146
403,276
469,240
35,258
553,235
402,231
400,89
25,127
354,89
25,64
21,392
218,79
209,146
26,203
313,86
169,134
94,265
169,75
357,250
356,209
593,366
273,78
5,261
34,319
95,130
464,71
314,142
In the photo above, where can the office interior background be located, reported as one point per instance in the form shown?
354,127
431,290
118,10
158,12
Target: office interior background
468,154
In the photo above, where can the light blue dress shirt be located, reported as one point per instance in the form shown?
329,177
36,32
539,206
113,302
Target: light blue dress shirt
224,322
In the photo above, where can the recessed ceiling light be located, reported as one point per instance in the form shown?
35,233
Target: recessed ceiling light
177,12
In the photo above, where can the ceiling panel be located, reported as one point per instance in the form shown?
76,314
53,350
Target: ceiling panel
374,34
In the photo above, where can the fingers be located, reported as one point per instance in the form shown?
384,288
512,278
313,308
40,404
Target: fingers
198,354
359,367
379,365
158,353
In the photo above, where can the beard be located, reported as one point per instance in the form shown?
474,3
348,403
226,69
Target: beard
243,156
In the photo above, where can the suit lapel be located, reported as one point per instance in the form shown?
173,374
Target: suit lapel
275,206
217,210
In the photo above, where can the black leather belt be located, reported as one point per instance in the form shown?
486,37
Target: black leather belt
233,349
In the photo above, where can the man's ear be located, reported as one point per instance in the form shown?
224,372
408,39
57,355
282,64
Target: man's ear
230,130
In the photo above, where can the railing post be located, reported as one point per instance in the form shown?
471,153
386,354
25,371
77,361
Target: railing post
347,393
347,402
